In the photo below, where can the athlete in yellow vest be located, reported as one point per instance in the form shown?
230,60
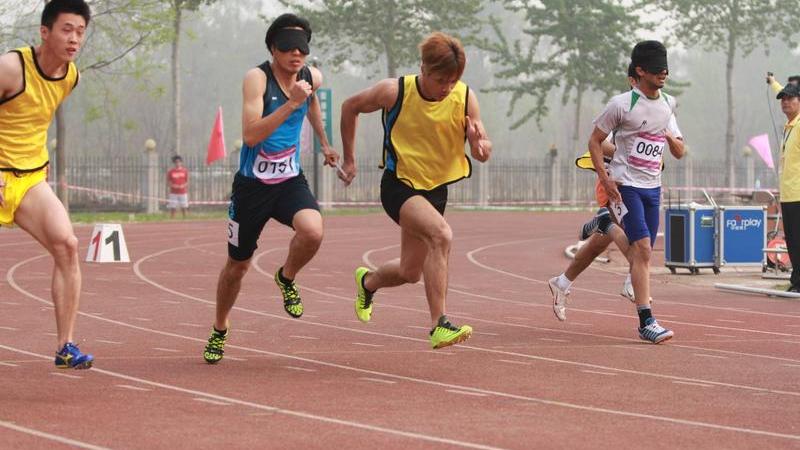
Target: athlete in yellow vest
427,118
33,83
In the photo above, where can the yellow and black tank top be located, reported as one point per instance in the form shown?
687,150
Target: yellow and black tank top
26,115
424,140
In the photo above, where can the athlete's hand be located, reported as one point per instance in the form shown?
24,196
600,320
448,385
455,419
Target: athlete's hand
480,146
331,157
299,92
347,172
611,189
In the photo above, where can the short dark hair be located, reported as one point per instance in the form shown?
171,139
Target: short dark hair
287,20
794,79
55,7
177,158
632,71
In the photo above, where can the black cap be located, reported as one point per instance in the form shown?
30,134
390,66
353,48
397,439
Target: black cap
790,90
650,55
287,20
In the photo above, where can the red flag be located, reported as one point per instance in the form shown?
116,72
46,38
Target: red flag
216,144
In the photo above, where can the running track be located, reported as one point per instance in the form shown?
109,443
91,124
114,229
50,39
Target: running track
729,379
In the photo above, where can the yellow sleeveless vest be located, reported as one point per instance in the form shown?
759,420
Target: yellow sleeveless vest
425,145
25,117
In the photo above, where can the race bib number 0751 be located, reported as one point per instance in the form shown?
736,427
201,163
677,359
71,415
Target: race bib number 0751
272,168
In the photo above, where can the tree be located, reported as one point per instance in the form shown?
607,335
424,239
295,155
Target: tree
176,8
363,32
565,48
733,27
117,30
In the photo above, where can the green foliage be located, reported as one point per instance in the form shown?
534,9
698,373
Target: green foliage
578,46
367,32
714,24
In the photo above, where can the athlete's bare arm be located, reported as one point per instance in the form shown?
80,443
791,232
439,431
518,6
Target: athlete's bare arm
608,149
479,143
10,75
596,151
315,119
256,128
382,95
676,146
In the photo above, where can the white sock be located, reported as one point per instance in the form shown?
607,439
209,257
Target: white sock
563,282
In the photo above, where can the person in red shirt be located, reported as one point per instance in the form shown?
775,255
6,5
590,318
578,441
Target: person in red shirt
178,182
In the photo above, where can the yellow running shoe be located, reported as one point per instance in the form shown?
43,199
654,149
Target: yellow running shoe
216,346
363,302
291,297
446,334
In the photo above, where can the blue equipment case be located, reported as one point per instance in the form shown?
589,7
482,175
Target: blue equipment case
742,235
690,238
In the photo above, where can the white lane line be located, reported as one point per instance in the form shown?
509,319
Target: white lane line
793,366
729,321
213,402
367,345
301,369
235,358
133,388
50,436
597,372
142,319
483,333
508,361
11,281
554,340
10,303
9,328
703,355
474,394
66,375
246,331
328,302
105,341
168,350
305,337
48,333
579,324
8,364
128,297
720,335
791,342
693,384
377,380
417,327
193,325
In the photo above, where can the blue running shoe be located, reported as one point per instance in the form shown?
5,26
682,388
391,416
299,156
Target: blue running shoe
70,357
654,332
600,222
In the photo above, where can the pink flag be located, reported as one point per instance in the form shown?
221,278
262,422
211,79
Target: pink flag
216,144
760,144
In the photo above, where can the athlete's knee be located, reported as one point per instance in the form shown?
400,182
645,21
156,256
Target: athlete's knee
65,248
441,236
235,270
641,250
310,235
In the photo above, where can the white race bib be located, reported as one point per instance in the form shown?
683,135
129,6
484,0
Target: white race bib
618,209
647,152
273,168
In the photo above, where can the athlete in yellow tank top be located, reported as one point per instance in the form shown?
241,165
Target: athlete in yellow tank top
426,120
33,83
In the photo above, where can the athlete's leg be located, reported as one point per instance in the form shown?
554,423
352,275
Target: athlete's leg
228,286
307,224
406,269
594,247
42,215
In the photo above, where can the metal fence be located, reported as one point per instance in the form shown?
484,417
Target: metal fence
128,183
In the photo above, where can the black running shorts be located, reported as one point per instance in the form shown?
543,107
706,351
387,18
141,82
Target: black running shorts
253,203
394,193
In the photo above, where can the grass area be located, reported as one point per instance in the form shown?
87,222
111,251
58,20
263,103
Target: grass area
129,217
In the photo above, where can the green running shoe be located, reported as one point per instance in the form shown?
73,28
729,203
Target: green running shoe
216,346
446,334
363,302
291,297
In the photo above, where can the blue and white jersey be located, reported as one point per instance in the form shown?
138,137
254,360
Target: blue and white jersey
276,158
